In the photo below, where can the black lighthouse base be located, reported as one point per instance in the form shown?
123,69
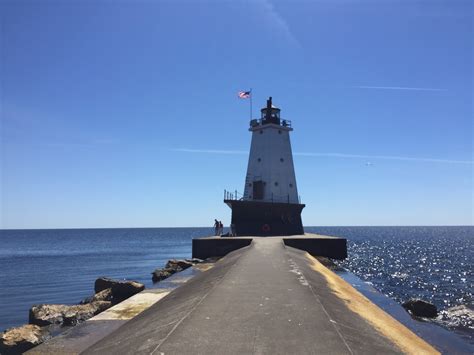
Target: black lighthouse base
252,218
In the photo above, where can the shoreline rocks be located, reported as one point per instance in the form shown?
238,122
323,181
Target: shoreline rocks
42,317
119,290
20,339
173,266
47,314
420,308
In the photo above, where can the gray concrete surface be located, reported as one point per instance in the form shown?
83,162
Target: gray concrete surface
262,299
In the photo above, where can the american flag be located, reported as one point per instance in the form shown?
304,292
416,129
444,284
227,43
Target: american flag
244,94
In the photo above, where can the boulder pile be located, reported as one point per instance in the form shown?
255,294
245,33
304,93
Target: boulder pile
173,266
108,292
116,290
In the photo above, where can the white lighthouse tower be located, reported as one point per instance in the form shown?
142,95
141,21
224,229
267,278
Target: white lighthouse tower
270,203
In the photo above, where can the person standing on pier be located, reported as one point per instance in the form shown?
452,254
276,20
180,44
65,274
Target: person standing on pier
216,227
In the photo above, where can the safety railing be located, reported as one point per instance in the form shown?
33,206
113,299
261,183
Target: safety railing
260,121
233,195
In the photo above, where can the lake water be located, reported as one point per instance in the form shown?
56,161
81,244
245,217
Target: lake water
60,266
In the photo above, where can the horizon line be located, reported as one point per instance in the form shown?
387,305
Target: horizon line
313,226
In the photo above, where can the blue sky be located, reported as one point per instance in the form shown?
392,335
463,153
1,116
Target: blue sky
125,113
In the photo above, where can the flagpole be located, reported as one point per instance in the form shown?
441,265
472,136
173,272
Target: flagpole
251,103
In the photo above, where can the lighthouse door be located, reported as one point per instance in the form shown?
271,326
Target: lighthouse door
258,190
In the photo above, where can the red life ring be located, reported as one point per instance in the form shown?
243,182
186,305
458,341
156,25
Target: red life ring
265,228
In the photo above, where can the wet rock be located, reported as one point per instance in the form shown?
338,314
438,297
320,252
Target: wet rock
121,290
178,265
420,308
458,317
20,339
161,274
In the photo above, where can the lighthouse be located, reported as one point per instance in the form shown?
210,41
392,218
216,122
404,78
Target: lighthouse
270,205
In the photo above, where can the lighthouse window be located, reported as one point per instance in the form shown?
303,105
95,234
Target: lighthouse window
259,160
276,183
291,185
279,131
261,132
250,184
281,159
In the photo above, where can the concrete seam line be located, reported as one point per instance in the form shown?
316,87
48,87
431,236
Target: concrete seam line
192,309
327,314
331,320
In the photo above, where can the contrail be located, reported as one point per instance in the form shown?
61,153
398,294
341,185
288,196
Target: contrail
396,88
385,157
332,155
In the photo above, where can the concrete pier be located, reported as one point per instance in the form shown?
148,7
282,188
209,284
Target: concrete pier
314,244
266,298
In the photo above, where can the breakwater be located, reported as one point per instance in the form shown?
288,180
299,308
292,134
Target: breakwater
263,298
59,266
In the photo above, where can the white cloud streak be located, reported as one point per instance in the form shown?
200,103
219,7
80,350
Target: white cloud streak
209,151
385,157
395,88
278,22
333,155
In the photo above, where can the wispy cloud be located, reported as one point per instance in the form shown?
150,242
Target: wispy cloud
334,155
209,151
395,88
278,23
385,157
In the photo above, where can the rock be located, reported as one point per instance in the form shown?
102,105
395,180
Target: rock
420,308
80,313
194,260
77,314
173,266
20,339
178,265
104,295
120,289
47,314
86,300
102,306
161,274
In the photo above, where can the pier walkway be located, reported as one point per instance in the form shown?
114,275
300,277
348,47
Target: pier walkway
266,298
